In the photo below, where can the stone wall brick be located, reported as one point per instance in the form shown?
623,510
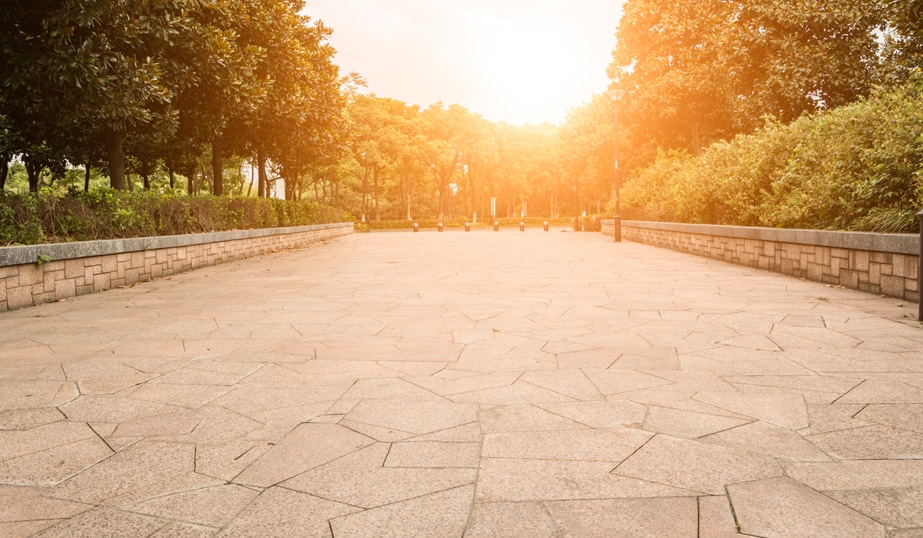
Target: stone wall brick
892,286
859,260
109,264
19,297
74,268
873,272
880,257
65,289
30,274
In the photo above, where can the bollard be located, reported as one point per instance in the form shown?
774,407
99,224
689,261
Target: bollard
522,226
467,226
496,225
545,224
920,270
416,227
439,226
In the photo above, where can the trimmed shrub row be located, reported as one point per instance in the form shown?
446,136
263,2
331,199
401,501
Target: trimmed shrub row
857,167
51,217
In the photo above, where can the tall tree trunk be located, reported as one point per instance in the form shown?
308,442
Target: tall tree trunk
262,190
410,206
32,170
172,178
217,168
696,129
146,175
113,140
4,171
375,189
86,177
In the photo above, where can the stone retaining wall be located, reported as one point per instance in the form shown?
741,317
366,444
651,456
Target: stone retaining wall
883,264
91,266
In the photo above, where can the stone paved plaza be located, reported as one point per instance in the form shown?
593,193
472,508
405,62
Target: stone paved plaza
515,384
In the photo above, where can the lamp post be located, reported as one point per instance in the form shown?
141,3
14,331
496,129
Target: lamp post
616,96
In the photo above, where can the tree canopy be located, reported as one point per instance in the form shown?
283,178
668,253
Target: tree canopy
202,89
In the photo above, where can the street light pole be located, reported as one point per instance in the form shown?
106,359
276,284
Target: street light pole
616,96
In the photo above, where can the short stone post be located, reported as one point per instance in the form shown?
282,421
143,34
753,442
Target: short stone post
416,227
439,226
522,226
546,225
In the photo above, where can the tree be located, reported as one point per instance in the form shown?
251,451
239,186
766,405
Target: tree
93,63
701,71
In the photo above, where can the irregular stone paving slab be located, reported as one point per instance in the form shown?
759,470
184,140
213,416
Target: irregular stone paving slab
434,454
32,394
785,410
781,507
52,466
576,445
183,530
15,444
611,382
361,479
413,416
716,519
845,475
111,522
617,518
883,392
505,479
496,520
282,513
212,506
23,505
440,514
904,416
145,466
696,466
688,424
871,443
306,447
895,507
605,415
768,439
516,418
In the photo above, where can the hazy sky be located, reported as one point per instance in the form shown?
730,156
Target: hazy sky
519,61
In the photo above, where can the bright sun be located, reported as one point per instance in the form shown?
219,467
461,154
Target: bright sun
519,61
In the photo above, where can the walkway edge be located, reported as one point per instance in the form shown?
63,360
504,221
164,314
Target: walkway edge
35,274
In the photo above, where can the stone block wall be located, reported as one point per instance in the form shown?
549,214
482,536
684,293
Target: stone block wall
883,264
93,266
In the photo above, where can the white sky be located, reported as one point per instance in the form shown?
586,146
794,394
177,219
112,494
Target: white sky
518,61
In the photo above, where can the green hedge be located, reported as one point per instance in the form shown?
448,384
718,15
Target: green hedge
108,214
856,167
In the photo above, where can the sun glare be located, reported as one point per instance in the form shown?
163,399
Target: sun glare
508,60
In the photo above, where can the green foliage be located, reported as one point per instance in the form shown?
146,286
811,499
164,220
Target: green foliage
110,214
702,71
857,167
